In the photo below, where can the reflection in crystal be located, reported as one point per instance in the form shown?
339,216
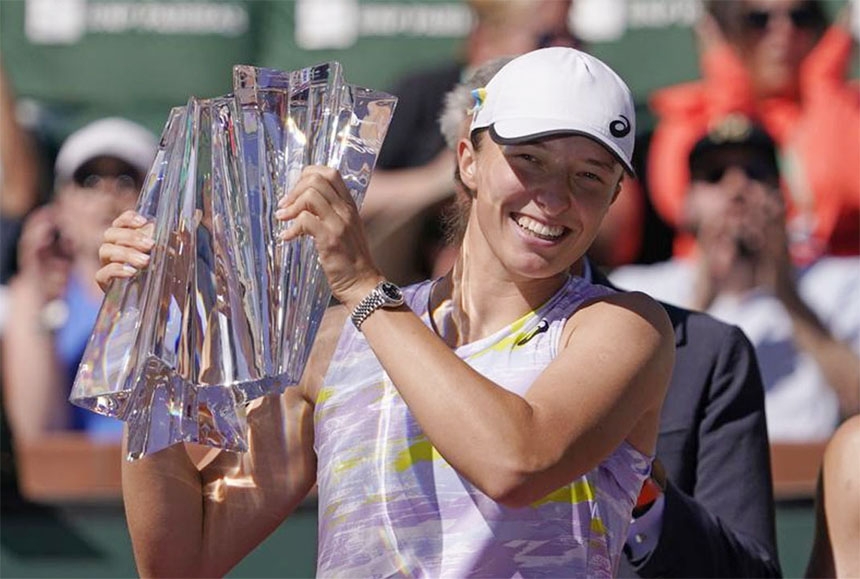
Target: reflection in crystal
224,313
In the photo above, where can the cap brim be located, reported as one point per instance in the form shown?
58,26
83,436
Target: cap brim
518,131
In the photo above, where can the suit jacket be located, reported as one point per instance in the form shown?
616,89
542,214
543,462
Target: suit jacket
718,518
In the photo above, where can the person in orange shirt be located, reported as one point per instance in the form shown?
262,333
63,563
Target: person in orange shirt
777,62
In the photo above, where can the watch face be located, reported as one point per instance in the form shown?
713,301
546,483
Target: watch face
391,291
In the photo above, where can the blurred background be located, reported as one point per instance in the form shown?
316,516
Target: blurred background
70,62
75,60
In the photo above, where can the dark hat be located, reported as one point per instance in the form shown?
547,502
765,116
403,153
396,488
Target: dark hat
735,131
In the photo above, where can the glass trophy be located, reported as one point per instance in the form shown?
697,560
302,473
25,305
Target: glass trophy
226,313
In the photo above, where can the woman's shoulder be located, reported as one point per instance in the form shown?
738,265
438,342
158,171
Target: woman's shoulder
626,319
845,442
621,304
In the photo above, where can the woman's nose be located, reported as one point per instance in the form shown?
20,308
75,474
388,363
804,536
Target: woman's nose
553,200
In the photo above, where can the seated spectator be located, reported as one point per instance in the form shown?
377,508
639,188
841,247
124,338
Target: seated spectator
835,552
777,62
692,520
53,300
804,322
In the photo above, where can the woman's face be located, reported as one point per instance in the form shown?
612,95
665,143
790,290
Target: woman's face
775,37
538,206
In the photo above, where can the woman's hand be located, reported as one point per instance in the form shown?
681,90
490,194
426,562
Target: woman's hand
125,249
320,206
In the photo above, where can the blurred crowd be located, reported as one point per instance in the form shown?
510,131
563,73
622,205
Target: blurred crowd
753,170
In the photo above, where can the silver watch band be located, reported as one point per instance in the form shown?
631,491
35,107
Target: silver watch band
384,295
365,307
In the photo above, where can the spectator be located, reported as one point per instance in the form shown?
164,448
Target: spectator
53,299
837,507
694,520
777,62
804,322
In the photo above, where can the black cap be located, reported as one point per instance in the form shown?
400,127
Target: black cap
735,131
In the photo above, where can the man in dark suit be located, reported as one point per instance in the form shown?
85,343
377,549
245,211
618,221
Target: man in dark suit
708,509
717,516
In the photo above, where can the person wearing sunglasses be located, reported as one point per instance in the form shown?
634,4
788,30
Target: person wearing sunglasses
804,322
778,62
53,300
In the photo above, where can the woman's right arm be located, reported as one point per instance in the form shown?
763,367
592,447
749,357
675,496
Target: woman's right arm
190,521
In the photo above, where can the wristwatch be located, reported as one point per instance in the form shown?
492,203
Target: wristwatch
384,295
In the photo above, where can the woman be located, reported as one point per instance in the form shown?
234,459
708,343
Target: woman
497,421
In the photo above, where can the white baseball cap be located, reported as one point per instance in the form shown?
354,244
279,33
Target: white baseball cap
557,91
111,137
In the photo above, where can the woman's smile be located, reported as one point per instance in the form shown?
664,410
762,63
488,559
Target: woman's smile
539,229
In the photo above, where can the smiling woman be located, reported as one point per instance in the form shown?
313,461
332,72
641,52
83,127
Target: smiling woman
496,421
555,191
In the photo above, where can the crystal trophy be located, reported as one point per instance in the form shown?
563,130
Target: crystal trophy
225,313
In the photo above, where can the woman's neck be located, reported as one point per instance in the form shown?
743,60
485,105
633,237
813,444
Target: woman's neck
471,303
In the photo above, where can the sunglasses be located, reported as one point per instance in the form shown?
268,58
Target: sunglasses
122,184
801,18
761,172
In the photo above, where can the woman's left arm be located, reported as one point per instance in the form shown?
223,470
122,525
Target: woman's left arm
606,385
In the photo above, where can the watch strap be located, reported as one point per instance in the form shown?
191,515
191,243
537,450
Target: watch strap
373,301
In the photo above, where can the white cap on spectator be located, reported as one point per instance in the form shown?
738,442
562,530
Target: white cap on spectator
112,137
557,91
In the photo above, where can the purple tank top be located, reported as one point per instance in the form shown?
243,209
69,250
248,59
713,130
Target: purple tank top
390,505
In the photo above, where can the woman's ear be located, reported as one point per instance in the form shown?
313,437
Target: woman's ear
466,160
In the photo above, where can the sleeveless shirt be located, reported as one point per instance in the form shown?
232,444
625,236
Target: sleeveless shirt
390,505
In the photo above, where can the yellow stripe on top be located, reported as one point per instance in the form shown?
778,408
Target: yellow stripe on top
421,451
508,342
578,492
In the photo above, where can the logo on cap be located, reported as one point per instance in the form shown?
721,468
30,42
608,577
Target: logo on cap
619,127
479,95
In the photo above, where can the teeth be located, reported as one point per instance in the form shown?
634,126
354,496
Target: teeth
540,229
